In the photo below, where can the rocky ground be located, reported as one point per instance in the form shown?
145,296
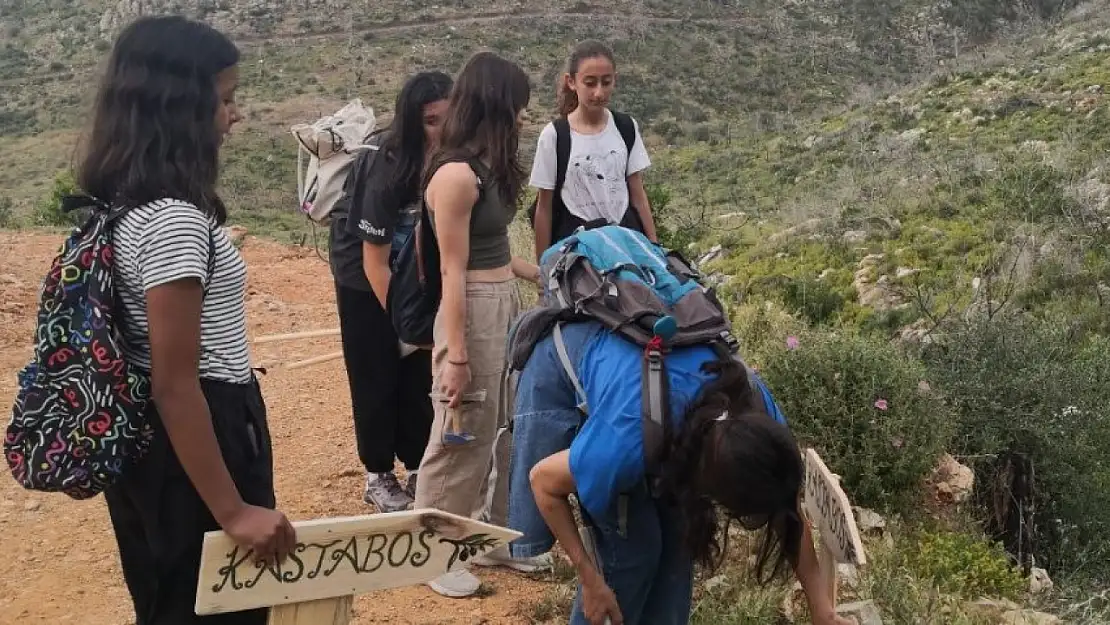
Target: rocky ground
60,554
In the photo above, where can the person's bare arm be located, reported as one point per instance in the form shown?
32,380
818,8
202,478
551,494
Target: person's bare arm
173,312
525,270
542,226
552,484
451,195
808,572
637,196
375,264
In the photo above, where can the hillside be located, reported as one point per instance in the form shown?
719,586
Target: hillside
691,70
994,170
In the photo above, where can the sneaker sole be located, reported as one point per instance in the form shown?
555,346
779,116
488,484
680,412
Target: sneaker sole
380,508
516,566
454,594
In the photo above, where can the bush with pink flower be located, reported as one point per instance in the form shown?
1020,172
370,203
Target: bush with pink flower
858,402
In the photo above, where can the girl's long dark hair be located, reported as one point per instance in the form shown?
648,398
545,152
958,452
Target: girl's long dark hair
481,123
154,131
746,463
406,143
566,100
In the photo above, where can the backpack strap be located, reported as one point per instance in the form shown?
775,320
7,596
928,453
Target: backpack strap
561,349
655,405
562,153
627,127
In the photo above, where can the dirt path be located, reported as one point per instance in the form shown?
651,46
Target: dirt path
61,564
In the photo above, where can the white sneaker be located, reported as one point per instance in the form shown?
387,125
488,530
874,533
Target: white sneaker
501,557
458,583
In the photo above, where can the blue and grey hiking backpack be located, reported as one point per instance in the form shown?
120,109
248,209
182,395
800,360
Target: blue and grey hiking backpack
642,291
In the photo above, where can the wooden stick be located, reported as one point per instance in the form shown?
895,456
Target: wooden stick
307,334
314,360
319,612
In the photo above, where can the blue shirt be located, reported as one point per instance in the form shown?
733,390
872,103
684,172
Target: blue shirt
607,454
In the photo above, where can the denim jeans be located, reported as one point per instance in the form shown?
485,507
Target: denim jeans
645,565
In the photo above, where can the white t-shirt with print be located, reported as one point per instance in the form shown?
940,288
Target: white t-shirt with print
597,172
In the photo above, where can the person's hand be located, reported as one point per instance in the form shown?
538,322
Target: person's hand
599,604
267,532
454,379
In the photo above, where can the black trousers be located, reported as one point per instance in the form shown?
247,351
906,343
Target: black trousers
159,519
389,394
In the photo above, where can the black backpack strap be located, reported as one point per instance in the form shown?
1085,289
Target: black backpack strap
562,153
627,127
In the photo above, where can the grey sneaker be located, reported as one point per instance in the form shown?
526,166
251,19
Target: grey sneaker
384,492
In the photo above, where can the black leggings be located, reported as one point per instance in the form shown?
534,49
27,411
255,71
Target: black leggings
389,394
160,520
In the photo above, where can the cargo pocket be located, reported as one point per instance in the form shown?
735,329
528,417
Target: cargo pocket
464,423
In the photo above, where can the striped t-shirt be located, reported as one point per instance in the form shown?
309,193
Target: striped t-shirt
169,240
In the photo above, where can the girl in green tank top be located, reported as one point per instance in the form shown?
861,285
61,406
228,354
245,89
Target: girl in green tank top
472,195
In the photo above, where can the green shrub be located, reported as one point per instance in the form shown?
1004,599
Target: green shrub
910,576
859,403
964,565
674,229
1036,388
48,212
762,328
7,213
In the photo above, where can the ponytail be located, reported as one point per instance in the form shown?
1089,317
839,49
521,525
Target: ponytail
566,99
731,456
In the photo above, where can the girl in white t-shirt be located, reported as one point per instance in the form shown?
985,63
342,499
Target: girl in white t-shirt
602,182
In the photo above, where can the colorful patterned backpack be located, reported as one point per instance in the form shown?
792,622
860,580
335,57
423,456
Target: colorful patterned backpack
79,419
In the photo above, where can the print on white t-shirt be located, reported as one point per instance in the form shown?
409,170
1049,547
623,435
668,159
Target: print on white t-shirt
597,172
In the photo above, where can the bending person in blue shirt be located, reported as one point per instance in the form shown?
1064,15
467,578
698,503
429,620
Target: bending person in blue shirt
732,449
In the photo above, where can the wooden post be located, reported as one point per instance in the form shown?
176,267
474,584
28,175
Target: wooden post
307,334
828,507
320,612
315,360
336,559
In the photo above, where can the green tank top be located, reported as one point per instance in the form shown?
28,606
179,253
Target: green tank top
489,223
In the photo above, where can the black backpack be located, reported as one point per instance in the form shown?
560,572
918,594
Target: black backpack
416,285
563,222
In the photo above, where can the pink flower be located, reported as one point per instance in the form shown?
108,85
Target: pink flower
791,343
897,442
881,404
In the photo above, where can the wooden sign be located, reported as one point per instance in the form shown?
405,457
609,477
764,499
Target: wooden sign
829,508
338,558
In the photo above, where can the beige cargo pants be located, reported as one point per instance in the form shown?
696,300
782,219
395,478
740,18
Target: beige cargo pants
460,472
